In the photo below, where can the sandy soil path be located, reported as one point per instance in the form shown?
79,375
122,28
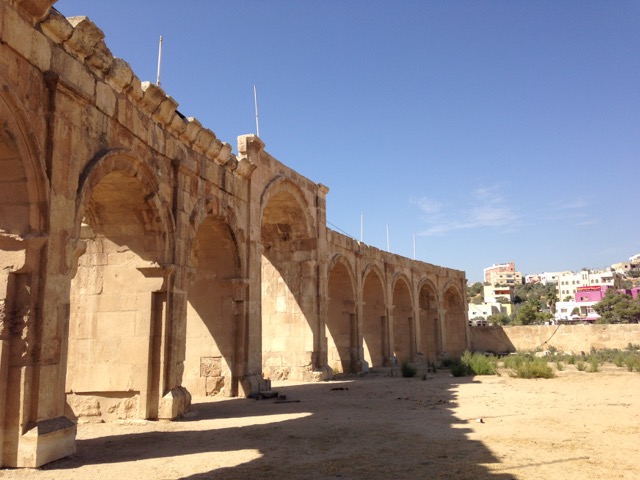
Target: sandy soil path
577,426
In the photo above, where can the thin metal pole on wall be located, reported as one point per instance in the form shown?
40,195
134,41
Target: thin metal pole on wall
388,244
255,101
159,61
414,245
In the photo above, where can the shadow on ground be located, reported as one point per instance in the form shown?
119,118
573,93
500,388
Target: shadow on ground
356,428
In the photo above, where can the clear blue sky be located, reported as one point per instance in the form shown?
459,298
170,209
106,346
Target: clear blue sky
493,130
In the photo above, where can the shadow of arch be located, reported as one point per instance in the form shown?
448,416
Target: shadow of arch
341,326
430,342
375,331
288,282
403,330
213,324
455,321
118,295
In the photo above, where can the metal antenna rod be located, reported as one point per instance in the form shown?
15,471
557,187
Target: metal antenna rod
388,244
255,101
159,61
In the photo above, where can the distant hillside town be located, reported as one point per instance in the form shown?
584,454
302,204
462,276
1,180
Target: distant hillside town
606,295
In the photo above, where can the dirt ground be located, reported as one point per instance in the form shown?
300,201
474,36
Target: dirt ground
577,426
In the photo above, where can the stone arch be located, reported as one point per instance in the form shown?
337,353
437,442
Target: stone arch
283,204
455,323
121,163
341,324
288,281
24,194
214,290
123,234
375,330
24,207
430,341
402,325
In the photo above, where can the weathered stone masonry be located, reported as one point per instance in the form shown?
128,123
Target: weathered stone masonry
143,262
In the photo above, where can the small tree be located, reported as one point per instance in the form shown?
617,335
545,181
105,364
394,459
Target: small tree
618,306
499,319
526,315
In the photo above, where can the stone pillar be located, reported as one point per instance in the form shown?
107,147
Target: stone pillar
174,398
35,429
442,325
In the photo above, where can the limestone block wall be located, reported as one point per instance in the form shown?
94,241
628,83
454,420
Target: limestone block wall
565,338
143,262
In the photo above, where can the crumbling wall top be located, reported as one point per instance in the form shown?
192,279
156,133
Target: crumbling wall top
84,41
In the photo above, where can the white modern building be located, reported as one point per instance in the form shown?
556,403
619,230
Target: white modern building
568,282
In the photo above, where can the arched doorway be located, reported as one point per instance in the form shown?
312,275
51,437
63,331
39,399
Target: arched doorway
118,295
289,284
374,323
402,322
341,325
212,314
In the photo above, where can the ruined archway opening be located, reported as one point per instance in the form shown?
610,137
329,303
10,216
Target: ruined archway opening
341,326
374,322
402,322
212,322
117,304
288,295
455,323
430,344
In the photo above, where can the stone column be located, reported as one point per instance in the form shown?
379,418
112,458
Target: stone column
442,324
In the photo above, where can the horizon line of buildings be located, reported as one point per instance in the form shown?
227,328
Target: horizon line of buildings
577,291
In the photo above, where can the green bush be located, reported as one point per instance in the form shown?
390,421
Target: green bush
632,361
581,366
594,364
515,361
559,366
474,364
457,369
532,368
619,360
407,370
480,364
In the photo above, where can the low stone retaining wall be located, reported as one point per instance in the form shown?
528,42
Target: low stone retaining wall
565,338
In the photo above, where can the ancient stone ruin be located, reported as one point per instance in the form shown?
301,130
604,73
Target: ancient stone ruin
144,263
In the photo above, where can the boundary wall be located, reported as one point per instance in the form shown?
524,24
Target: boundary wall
565,338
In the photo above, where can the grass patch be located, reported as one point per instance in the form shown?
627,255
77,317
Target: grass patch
525,365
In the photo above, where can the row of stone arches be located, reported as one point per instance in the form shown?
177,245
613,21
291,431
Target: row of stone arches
386,331
123,292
